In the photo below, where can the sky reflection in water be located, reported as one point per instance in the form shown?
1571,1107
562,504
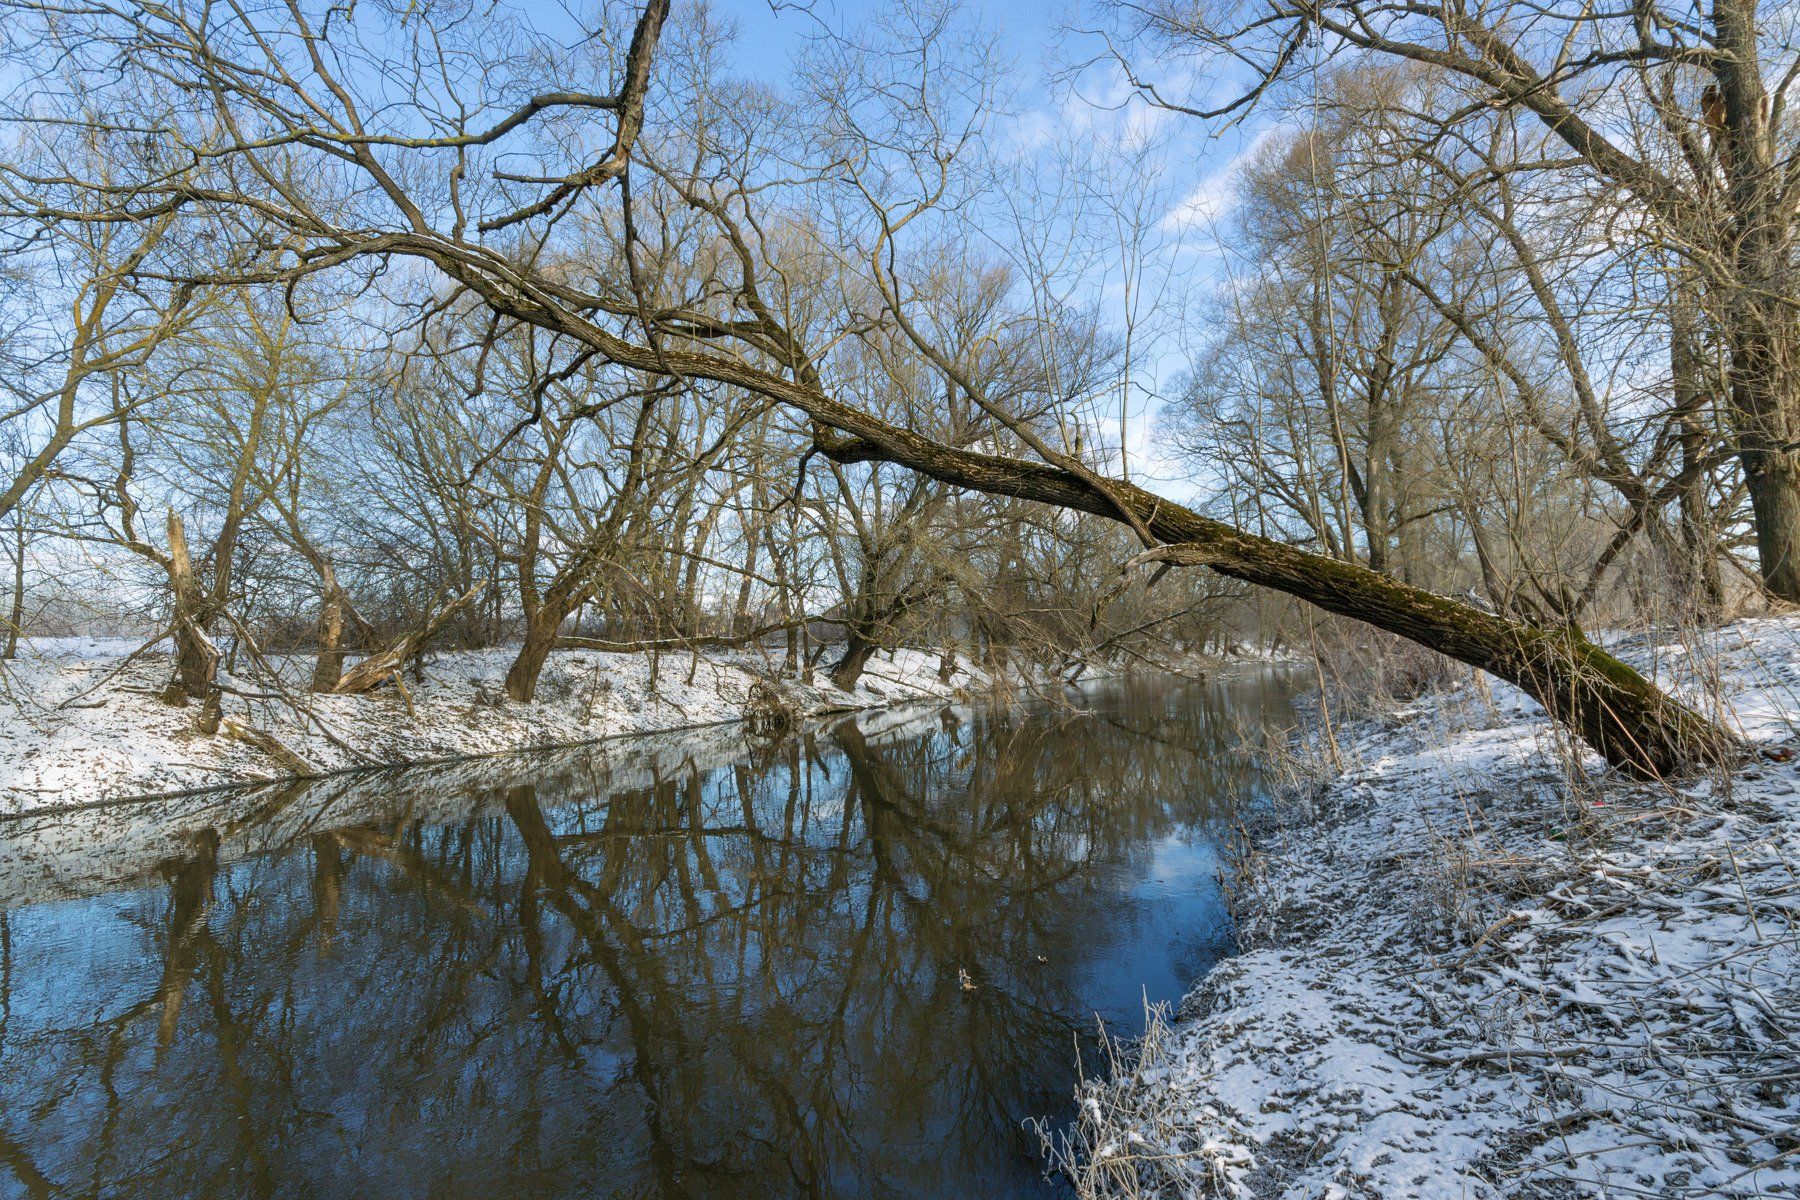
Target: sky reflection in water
737,980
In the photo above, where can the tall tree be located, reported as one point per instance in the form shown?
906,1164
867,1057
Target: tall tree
1682,107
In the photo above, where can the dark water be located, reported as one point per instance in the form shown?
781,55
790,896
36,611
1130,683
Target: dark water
708,973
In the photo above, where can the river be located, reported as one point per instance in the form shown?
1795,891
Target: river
848,964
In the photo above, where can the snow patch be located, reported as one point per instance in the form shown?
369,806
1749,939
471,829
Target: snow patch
1471,972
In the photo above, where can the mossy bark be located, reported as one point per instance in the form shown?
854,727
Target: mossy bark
1613,708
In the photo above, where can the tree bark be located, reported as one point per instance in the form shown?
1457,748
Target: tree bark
196,658
540,640
1624,717
1760,322
15,620
1696,558
328,667
848,668
387,664
1763,412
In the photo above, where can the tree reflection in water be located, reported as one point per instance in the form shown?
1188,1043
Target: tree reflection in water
843,966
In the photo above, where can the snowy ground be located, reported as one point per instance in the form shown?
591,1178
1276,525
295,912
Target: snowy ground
80,722
1466,976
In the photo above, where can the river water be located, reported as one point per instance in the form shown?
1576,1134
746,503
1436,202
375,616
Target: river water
850,964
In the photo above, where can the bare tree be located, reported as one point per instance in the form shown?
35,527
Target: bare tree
1709,162
439,180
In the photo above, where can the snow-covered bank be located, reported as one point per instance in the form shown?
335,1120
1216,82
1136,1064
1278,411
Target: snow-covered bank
1465,976
80,723
50,856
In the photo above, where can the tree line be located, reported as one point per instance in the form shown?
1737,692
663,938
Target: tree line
348,325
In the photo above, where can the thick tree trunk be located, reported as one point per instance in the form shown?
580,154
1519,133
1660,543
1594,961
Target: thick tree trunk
328,667
196,658
848,668
1760,321
1614,709
1766,428
540,640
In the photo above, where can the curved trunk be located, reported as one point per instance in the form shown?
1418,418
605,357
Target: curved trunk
849,667
540,640
1613,708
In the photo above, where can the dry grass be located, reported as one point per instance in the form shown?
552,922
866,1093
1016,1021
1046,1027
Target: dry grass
1133,1136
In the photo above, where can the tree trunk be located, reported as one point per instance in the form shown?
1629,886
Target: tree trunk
1696,558
15,620
384,665
328,667
540,640
196,658
1760,323
849,667
1377,489
1762,409
1632,724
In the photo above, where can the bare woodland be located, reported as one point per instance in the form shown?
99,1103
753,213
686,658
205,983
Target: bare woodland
343,330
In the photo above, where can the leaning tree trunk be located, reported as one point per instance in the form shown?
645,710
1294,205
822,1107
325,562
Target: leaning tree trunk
540,639
848,669
386,665
1633,724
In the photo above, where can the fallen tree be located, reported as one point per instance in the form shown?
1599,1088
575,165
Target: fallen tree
385,665
1632,723
1627,719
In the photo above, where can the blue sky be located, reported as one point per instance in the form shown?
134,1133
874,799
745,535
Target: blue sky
1194,185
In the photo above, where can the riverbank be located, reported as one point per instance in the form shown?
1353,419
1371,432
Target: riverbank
80,722
1473,965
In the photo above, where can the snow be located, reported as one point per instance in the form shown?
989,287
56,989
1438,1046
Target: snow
61,855
1475,965
80,722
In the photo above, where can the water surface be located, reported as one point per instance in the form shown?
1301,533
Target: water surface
847,965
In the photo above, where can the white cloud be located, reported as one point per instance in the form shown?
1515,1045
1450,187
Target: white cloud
1214,197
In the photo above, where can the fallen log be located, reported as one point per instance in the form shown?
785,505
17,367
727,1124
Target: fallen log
385,665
